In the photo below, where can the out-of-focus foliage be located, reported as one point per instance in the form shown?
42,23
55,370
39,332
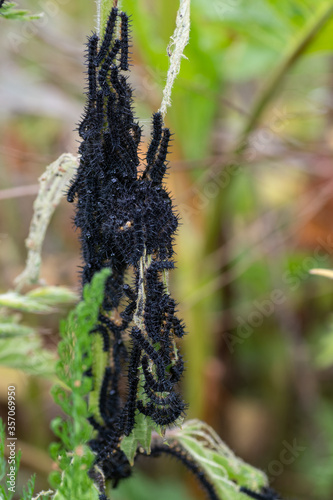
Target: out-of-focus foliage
21,345
256,319
5,469
9,11
139,487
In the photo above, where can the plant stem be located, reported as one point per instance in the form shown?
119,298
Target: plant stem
103,10
176,47
307,35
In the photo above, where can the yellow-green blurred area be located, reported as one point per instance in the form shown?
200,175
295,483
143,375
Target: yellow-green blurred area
252,175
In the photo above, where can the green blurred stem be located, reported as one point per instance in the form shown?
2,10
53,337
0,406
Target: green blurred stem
301,43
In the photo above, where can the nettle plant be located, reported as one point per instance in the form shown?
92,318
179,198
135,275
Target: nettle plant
128,223
119,363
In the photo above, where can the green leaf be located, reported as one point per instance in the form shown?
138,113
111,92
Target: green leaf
226,471
323,42
14,300
14,330
9,11
53,295
28,491
75,356
140,435
27,355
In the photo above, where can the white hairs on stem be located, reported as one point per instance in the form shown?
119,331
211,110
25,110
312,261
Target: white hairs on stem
53,183
175,49
98,17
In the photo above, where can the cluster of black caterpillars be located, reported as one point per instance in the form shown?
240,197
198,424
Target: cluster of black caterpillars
127,224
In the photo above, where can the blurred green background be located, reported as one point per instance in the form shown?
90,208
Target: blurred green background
251,173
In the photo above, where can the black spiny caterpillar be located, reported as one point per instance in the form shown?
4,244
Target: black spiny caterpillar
127,224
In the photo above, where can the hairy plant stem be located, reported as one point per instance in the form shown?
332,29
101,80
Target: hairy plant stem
175,50
51,187
103,11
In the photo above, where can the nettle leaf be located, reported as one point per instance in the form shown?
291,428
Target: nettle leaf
23,303
9,11
142,431
140,435
226,471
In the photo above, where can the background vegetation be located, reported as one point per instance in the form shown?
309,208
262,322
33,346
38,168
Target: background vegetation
251,173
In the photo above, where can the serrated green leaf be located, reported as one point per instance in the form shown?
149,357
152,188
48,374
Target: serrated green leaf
140,435
226,471
53,295
24,303
28,491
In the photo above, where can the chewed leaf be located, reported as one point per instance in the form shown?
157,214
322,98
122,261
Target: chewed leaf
226,471
24,303
141,433
140,436
53,295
